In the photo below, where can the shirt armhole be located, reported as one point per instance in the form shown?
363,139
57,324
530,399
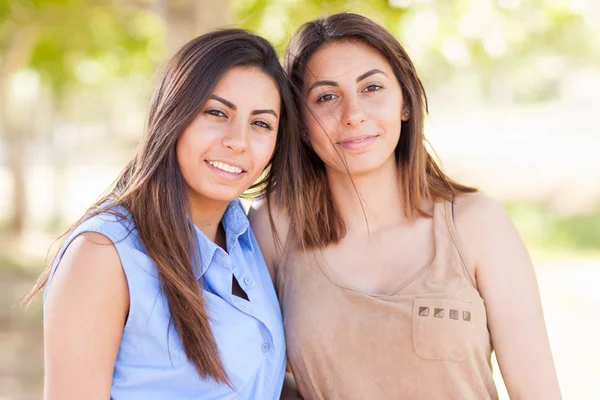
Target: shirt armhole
123,252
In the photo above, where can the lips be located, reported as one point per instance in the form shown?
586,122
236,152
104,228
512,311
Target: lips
357,142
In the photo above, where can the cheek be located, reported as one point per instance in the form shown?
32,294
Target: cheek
391,118
388,117
321,127
322,145
324,118
394,123
185,149
182,150
192,146
262,151
392,111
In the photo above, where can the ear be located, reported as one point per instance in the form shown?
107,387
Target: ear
305,138
405,114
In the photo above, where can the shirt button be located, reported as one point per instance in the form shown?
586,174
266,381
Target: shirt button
265,347
248,281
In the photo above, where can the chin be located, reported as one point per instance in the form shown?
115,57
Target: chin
224,196
219,193
364,167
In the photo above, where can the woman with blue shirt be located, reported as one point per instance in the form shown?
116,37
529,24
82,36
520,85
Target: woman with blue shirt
160,291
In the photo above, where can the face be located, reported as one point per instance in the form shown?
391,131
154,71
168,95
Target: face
231,141
354,108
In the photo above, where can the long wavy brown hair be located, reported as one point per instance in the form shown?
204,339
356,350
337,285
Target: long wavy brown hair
152,189
314,219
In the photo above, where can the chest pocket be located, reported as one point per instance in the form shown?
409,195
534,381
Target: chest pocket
442,328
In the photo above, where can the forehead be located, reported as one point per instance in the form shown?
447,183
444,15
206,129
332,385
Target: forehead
339,60
248,85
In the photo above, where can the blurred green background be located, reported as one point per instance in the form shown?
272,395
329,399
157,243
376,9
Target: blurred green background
514,100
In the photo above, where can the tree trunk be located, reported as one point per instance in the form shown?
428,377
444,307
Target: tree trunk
14,55
16,148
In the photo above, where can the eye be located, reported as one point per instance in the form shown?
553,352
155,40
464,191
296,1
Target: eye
373,88
326,97
216,113
262,124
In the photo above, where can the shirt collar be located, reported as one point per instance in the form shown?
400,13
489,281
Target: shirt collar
237,228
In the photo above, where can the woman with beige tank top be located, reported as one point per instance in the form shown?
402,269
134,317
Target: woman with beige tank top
395,281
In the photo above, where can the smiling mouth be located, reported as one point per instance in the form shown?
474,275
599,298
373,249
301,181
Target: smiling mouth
357,143
357,140
232,169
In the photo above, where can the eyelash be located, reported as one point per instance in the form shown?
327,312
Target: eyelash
369,89
216,113
264,125
221,114
377,88
322,98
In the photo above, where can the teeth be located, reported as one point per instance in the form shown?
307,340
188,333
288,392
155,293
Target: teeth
226,167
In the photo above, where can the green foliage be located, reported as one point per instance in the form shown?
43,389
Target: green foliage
278,20
547,232
81,41
520,44
525,45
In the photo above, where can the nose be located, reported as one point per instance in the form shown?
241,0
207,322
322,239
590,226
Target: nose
236,138
353,115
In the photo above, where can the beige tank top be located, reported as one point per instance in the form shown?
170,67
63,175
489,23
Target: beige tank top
428,340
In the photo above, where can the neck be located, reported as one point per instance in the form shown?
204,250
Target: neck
374,198
206,215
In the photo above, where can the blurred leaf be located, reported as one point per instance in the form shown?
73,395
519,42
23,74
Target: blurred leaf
68,32
523,47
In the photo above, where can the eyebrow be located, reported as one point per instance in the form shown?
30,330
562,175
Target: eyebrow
322,83
222,100
369,73
233,107
256,112
360,78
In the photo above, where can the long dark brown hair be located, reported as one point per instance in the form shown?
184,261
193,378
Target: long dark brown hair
152,189
314,219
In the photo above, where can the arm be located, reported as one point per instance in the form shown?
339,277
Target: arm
261,226
507,283
85,312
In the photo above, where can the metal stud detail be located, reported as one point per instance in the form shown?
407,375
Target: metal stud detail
453,314
438,312
423,311
466,315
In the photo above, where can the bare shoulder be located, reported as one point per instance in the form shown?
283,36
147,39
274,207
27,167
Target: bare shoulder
90,266
91,250
263,219
477,208
260,218
485,227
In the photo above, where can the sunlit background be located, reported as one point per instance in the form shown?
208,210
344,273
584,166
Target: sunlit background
514,89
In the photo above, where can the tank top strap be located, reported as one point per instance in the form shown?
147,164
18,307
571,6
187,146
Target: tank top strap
449,256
